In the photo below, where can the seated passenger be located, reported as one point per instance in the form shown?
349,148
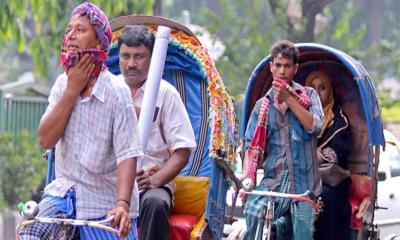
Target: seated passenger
333,148
171,136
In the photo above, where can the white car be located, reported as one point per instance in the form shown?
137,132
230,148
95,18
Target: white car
388,220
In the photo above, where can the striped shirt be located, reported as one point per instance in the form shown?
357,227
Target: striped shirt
290,146
101,133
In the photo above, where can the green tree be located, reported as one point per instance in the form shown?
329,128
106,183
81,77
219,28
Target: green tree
22,168
342,33
37,26
382,58
367,30
246,39
248,28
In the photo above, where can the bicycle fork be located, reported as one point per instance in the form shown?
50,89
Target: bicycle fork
270,217
267,215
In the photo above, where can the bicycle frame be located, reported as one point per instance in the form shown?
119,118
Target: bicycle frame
268,214
63,222
299,197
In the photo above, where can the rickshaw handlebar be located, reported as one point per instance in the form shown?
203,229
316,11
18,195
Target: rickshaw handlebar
73,222
299,197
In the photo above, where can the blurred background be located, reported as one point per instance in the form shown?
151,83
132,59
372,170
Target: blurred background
237,33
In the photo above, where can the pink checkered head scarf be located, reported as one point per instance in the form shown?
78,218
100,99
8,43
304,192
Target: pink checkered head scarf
103,29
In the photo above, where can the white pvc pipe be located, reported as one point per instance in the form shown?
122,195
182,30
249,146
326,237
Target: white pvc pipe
152,85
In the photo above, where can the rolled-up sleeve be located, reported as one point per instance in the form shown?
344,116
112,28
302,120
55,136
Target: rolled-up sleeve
55,93
126,135
316,110
251,124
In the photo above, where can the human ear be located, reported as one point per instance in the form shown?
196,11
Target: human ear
296,67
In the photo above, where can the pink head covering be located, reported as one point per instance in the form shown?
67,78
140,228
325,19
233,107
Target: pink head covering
102,27
99,21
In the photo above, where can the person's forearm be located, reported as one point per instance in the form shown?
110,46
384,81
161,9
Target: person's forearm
172,167
52,126
245,165
305,117
126,173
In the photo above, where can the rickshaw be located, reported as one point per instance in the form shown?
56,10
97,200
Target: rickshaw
360,104
199,200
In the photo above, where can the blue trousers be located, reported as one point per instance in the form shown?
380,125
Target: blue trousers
64,207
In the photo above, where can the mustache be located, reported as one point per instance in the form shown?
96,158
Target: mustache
132,69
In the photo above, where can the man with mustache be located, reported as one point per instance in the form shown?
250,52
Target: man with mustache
91,120
171,138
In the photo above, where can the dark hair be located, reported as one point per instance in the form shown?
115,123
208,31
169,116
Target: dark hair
135,35
287,49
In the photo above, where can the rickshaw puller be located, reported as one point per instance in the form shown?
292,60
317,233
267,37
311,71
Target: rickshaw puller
281,137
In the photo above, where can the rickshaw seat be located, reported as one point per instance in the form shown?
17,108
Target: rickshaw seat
181,226
359,197
187,219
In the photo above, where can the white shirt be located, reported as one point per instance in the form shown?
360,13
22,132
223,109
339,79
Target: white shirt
101,133
171,128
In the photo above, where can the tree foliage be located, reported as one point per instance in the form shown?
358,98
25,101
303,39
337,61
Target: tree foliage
246,39
248,28
22,168
37,26
382,58
348,39
390,107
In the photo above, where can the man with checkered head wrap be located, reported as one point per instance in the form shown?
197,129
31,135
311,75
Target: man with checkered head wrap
71,53
91,122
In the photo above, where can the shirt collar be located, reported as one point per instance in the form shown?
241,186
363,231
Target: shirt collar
140,91
297,87
143,86
99,89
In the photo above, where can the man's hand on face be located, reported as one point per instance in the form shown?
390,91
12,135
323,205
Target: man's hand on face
144,177
121,219
281,93
79,75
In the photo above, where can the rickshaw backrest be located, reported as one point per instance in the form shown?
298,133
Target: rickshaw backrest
359,197
188,201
